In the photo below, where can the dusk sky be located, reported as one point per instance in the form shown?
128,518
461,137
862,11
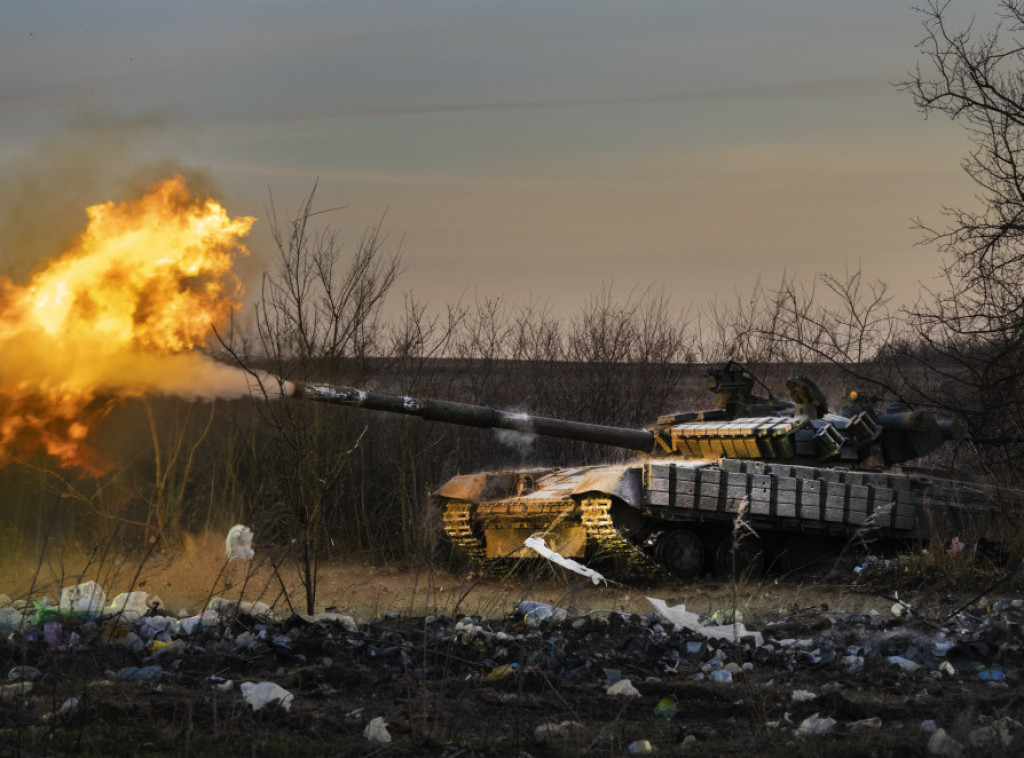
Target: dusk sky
530,149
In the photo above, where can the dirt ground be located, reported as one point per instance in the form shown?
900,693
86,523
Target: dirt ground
454,666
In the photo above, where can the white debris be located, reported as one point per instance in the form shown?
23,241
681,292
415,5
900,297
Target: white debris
259,694
942,744
900,607
678,614
534,612
10,619
904,663
999,733
257,609
537,545
129,607
347,622
624,688
814,724
803,696
549,733
377,731
239,543
87,597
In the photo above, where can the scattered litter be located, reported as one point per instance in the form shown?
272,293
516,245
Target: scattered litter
667,707
684,618
562,731
535,612
377,731
239,543
10,619
814,725
900,608
501,672
623,688
86,598
537,545
128,607
904,663
1000,733
802,696
942,744
259,694
641,747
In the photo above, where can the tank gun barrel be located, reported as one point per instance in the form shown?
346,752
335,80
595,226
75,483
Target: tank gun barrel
466,414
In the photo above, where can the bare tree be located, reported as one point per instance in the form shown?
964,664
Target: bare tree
319,315
972,330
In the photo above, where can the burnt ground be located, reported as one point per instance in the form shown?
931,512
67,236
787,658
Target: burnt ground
938,678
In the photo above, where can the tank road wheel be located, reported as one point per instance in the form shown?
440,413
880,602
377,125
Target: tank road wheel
741,558
681,552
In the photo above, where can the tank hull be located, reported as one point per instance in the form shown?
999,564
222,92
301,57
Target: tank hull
687,518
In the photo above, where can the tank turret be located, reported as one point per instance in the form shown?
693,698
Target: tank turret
742,425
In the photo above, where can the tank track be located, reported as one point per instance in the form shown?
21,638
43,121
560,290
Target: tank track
459,528
607,541
603,539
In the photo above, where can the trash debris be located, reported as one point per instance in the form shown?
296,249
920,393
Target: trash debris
991,675
667,707
904,663
641,747
813,665
1000,733
814,725
562,731
501,672
128,607
684,618
260,694
536,544
10,619
85,598
623,688
377,731
942,744
239,543
534,612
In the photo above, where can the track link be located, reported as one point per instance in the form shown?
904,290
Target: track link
458,526
607,541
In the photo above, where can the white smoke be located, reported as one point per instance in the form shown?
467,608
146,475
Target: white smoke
522,443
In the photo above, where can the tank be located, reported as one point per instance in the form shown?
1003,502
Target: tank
757,482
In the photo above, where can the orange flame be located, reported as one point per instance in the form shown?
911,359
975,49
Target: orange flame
116,316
